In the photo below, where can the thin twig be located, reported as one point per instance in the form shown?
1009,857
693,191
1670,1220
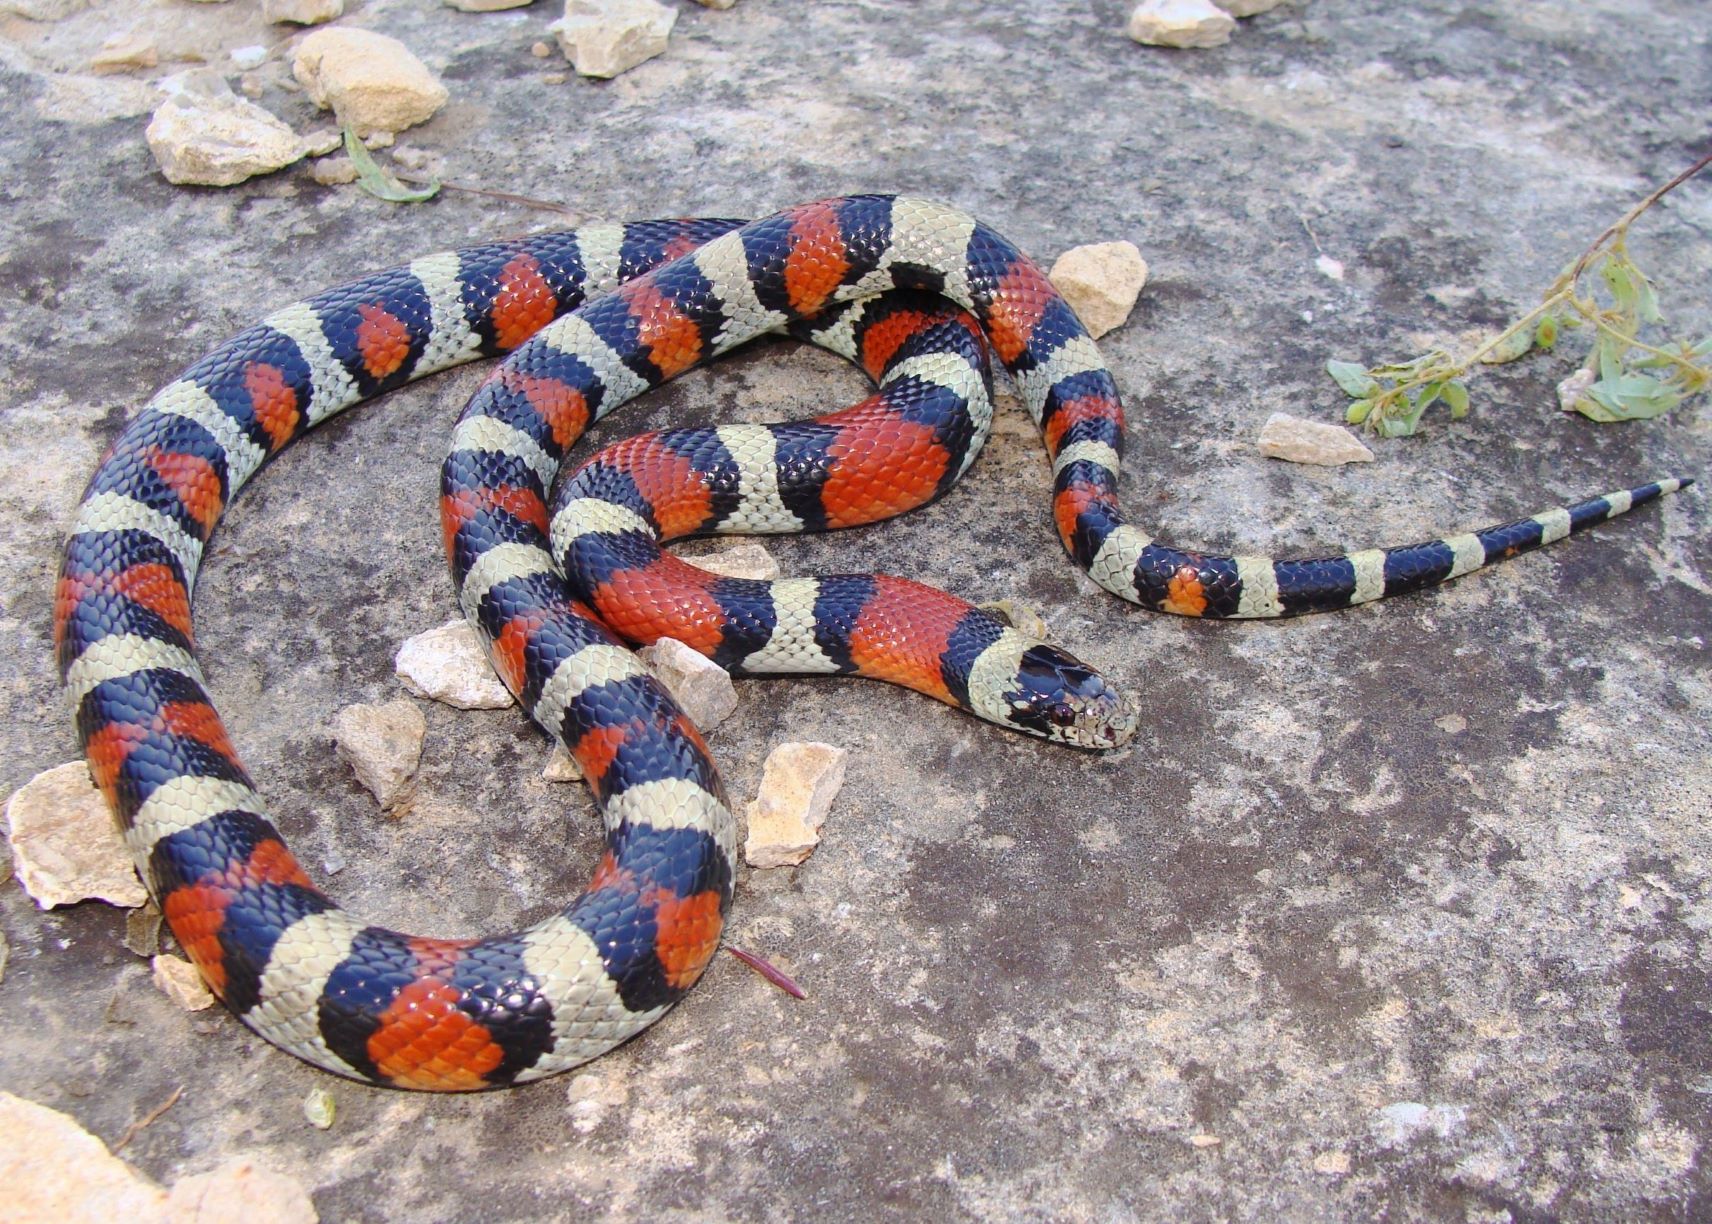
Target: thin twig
423,180
136,1128
1622,224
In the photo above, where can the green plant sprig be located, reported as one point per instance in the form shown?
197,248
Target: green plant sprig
1391,398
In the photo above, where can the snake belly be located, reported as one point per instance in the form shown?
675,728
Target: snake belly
412,1012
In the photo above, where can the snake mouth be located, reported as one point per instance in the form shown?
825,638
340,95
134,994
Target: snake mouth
1066,701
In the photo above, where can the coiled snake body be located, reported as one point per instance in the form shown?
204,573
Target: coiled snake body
917,293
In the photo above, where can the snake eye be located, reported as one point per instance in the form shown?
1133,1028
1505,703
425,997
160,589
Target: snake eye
1062,714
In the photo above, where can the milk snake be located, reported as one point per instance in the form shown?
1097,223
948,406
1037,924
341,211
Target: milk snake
591,318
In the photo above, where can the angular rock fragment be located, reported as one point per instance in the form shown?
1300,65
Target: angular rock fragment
65,848
383,745
333,172
745,560
1300,441
123,52
561,767
798,784
448,664
368,80
1101,282
177,979
53,1169
1180,23
1572,390
702,687
216,140
242,1190
603,38
302,12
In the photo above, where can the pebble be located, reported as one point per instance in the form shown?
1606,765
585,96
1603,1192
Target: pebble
383,745
125,51
1101,282
331,172
746,560
1301,441
177,979
1180,23
65,847
448,664
302,12
320,1109
216,140
246,58
142,930
240,1189
1248,8
603,38
562,767
702,687
486,6
1019,616
798,784
53,1169
1571,390
540,50
368,80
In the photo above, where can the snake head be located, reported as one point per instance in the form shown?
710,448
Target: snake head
1063,699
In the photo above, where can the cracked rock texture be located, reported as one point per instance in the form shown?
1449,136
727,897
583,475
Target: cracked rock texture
1401,913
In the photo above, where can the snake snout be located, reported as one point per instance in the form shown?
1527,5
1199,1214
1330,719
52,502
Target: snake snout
1063,699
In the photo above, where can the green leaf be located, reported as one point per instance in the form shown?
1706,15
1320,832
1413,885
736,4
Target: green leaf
1646,304
1620,283
1353,378
1512,347
1545,335
1427,396
378,182
1630,397
1456,395
1357,412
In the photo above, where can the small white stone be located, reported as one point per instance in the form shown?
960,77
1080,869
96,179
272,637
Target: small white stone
1101,282
246,58
798,784
368,80
1248,8
1299,441
321,141
240,1190
383,745
1572,389
561,767
217,140
1019,616
53,1169
702,687
1329,267
302,12
746,560
448,664
1180,23
603,38
178,980
486,6
65,847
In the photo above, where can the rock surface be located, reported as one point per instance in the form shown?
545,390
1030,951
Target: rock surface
1449,849
1101,282
369,80
1301,441
603,38
64,846
383,746
240,1190
798,785
1180,23
448,664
